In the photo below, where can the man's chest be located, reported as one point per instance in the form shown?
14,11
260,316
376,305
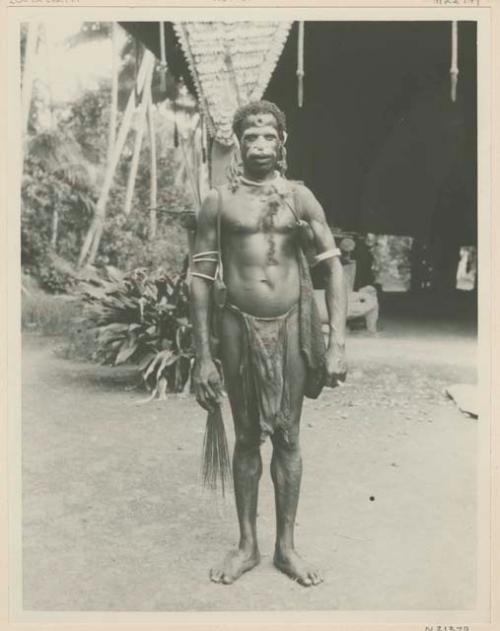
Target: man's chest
251,215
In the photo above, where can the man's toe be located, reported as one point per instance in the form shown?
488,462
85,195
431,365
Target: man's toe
316,578
215,576
227,580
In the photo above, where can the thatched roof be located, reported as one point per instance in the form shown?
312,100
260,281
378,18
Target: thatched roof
378,138
231,64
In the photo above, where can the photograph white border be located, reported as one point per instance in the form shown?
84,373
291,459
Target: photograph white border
19,12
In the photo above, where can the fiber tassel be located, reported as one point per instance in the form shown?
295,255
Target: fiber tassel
300,66
454,60
216,465
203,139
163,60
176,129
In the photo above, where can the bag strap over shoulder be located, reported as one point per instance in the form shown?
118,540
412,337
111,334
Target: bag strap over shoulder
296,202
219,222
296,208
305,231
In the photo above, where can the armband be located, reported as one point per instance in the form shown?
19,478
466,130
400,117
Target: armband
205,276
209,256
329,254
206,256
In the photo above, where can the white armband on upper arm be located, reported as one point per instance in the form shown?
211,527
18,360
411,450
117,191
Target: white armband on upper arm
328,254
209,256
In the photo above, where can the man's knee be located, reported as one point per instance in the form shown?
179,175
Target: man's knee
247,460
246,441
286,441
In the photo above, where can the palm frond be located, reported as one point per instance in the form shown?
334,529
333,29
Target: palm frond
59,154
89,32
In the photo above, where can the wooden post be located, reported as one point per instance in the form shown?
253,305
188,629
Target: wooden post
220,158
92,239
193,181
134,165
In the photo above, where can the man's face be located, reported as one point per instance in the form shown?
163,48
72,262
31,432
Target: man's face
259,143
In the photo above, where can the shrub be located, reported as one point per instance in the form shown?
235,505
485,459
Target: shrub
142,319
126,242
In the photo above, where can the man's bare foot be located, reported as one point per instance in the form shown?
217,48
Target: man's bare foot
236,563
296,568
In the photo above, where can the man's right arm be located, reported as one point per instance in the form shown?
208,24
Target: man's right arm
206,379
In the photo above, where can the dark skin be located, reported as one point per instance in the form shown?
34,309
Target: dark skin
262,278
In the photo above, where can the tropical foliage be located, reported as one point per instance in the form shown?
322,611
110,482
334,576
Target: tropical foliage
57,201
142,319
66,158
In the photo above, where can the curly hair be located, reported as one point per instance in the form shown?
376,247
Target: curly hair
259,107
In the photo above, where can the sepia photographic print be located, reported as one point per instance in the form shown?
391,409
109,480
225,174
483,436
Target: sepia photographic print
249,315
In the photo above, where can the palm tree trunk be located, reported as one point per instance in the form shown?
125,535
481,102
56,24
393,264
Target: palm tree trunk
47,47
93,237
114,91
48,68
153,195
28,75
134,165
54,229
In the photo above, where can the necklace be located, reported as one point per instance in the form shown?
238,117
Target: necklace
244,180
272,193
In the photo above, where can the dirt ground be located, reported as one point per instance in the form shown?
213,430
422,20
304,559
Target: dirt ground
114,517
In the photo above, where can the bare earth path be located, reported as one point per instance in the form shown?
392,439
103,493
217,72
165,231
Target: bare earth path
114,518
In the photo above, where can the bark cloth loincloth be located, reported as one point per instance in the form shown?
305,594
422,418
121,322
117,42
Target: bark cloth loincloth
264,370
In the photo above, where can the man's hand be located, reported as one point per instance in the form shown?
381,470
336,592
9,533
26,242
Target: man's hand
207,384
336,365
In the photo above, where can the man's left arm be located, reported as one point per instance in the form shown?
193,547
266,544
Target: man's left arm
335,294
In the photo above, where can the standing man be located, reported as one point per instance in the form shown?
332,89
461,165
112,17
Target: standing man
270,342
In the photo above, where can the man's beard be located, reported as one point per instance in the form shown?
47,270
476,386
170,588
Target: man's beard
262,164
